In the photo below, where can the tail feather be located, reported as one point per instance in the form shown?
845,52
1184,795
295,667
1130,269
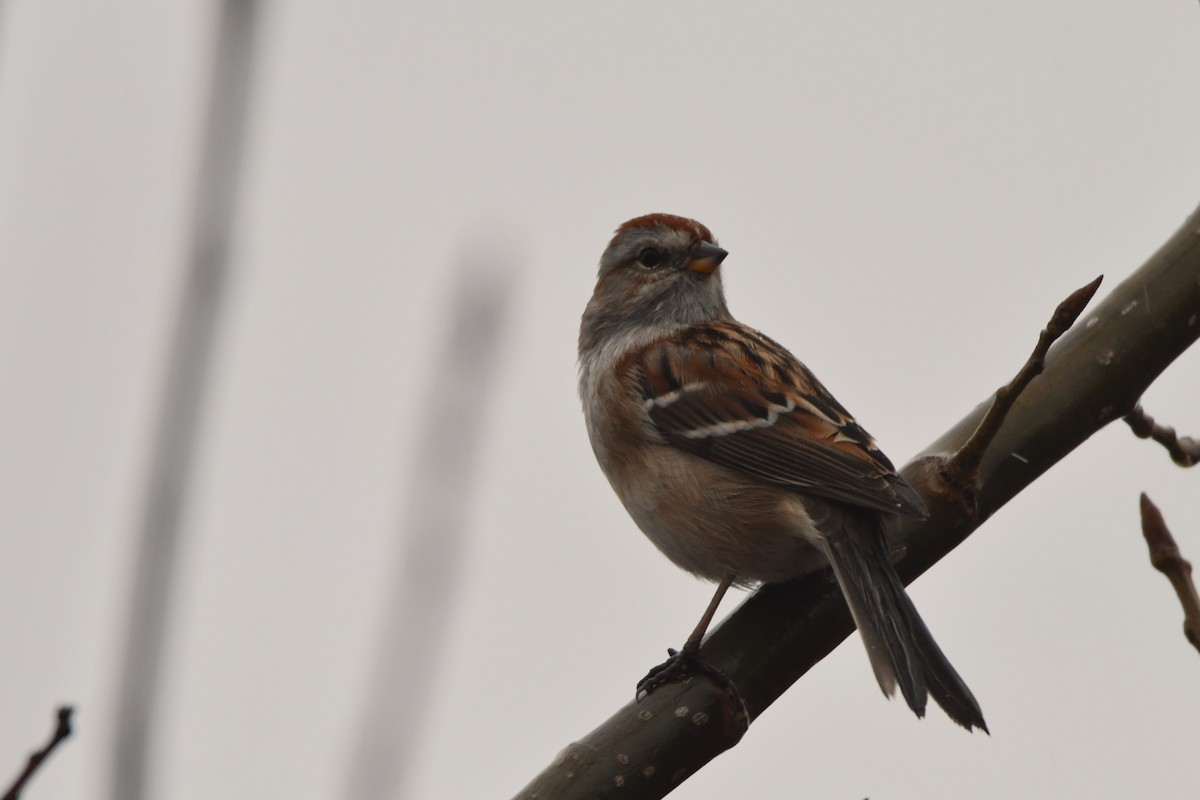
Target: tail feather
945,684
900,647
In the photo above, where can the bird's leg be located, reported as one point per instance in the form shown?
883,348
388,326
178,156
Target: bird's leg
692,645
689,658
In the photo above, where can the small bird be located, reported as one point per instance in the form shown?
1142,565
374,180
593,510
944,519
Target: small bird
735,461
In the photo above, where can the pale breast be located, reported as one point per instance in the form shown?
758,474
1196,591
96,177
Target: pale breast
711,521
706,518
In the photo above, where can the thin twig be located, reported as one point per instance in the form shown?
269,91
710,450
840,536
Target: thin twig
1166,558
62,730
963,467
1184,450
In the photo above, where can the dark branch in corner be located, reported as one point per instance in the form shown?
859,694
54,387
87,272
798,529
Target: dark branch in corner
961,470
1185,451
1092,376
61,731
1166,558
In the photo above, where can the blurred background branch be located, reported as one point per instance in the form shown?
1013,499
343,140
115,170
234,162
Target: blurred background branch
184,391
438,500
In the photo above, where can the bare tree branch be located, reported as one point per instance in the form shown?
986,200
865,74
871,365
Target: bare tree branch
62,729
1166,558
1093,375
1185,451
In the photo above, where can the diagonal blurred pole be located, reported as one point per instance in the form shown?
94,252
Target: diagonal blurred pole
174,445
425,585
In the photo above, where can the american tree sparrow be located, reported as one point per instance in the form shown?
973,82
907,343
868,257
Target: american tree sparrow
734,459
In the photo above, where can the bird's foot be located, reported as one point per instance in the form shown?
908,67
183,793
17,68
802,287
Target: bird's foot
681,664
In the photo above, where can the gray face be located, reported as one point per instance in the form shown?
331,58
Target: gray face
673,246
658,274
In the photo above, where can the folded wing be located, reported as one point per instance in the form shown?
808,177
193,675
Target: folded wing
727,393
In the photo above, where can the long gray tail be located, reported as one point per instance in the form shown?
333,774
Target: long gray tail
901,649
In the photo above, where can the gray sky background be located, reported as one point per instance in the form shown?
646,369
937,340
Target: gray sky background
906,191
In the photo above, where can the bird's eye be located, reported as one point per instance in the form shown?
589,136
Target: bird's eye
650,257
